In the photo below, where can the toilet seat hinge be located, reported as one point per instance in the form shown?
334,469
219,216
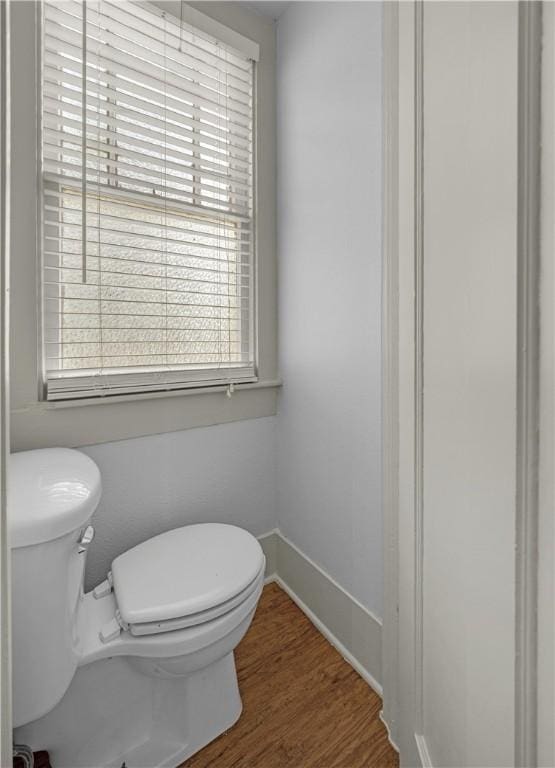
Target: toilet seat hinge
123,624
104,588
112,629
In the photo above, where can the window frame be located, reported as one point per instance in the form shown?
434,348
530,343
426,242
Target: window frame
39,424
185,381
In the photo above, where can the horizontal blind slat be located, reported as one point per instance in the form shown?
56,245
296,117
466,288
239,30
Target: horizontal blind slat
129,76
218,234
133,106
168,241
122,251
150,306
191,154
165,285
64,116
69,14
197,218
153,21
194,262
186,174
148,230
150,203
114,266
181,74
100,182
98,383
195,312
209,181
130,38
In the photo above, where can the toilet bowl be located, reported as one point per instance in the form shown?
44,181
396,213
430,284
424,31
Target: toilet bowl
140,671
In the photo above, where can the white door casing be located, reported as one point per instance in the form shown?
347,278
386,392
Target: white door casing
461,380
546,494
5,634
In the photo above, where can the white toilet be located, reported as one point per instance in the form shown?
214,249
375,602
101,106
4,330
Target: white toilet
139,672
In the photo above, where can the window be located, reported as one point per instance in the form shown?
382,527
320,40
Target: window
147,202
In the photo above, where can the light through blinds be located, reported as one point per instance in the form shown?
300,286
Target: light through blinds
147,189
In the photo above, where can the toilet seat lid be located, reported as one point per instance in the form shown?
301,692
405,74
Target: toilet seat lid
184,571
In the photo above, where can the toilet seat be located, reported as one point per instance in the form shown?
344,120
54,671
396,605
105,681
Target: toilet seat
96,614
182,622
185,577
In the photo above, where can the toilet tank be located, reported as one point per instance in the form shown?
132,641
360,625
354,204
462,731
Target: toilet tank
52,494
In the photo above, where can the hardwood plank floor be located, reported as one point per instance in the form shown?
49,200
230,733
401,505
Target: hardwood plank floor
303,705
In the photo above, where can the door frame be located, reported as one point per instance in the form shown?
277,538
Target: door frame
403,255
528,371
5,570
401,41
546,491
390,365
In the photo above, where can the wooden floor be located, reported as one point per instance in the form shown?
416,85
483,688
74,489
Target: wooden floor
303,705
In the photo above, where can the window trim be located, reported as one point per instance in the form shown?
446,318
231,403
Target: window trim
229,389
38,424
246,374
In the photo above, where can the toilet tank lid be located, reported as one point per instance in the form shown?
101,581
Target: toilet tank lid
51,492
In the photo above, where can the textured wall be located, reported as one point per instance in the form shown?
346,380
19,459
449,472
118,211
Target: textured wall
151,484
329,243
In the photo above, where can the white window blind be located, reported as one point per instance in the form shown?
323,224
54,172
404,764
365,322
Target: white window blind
147,176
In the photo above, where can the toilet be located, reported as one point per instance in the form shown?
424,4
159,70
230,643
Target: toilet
140,671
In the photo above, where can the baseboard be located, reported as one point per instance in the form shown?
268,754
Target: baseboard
268,542
337,644
344,621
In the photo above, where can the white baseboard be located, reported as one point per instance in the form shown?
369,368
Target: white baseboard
268,542
350,627
337,644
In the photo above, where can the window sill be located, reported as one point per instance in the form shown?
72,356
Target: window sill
112,399
74,423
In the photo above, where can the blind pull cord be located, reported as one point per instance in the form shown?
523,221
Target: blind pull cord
181,27
84,153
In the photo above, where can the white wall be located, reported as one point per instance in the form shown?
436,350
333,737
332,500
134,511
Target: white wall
223,473
329,245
